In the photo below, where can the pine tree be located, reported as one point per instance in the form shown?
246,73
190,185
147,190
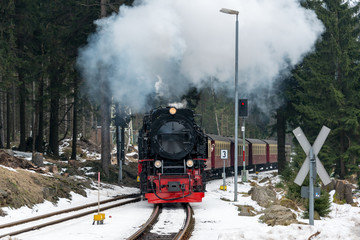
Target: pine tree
327,85
7,61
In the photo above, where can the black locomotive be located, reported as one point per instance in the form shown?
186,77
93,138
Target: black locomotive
172,154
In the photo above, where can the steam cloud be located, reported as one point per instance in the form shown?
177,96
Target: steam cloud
162,47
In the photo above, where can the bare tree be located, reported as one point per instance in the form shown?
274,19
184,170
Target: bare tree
105,113
40,105
22,112
74,140
8,120
35,123
1,121
215,110
281,129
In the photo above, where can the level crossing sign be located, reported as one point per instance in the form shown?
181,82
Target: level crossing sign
313,165
300,136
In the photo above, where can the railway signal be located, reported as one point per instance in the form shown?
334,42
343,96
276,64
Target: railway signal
312,164
243,112
121,120
243,107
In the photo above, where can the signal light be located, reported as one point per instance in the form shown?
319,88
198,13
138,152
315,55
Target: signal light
243,108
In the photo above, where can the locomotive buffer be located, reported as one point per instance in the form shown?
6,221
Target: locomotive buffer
224,156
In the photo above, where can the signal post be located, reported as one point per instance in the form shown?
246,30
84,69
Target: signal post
243,112
224,156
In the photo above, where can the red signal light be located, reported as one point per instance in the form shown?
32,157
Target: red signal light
243,108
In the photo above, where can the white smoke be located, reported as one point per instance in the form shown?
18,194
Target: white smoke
163,47
181,104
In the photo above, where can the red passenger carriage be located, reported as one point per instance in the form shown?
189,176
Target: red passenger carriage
259,154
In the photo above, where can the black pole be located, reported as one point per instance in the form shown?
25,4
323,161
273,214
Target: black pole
122,145
119,138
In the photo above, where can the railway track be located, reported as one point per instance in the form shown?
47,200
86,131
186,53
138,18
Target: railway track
230,174
184,233
34,223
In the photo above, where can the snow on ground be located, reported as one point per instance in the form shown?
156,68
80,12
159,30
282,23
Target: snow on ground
170,220
107,191
215,218
218,219
25,155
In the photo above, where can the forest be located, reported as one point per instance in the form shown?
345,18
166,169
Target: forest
43,98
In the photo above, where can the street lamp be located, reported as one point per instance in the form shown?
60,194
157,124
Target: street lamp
234,12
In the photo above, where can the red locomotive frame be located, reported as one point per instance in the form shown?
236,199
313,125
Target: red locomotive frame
174,188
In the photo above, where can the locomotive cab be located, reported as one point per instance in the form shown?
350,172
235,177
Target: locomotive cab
172,155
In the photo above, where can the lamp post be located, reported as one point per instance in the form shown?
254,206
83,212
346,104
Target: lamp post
234,12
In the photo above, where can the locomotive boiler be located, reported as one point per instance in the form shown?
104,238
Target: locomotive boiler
172,155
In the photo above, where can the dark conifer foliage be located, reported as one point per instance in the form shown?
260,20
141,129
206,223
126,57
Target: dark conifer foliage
326,86
39,42
42,95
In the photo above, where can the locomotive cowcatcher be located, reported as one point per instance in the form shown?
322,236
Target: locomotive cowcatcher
172,157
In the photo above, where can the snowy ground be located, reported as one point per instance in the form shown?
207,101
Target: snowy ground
215,218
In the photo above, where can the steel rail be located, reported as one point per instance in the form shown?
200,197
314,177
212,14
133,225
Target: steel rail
153,217
11,224
186,230
28,229
182,234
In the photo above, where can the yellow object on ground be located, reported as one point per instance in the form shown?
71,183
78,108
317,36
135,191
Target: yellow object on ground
222,187
99,218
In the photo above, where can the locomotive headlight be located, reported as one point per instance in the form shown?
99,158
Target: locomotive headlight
157,164
172,111
189,163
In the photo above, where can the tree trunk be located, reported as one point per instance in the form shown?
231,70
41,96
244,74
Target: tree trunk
105,114
54,125
66,116
14,127
40,136
216,116
8,120
54,113
92,124
342,150
35,123
103,8
2,139
105,129
83,123
95,125
22,118
74,141
281,129
33,112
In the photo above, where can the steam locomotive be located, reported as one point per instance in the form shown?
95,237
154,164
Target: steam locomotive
172,155
176,157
